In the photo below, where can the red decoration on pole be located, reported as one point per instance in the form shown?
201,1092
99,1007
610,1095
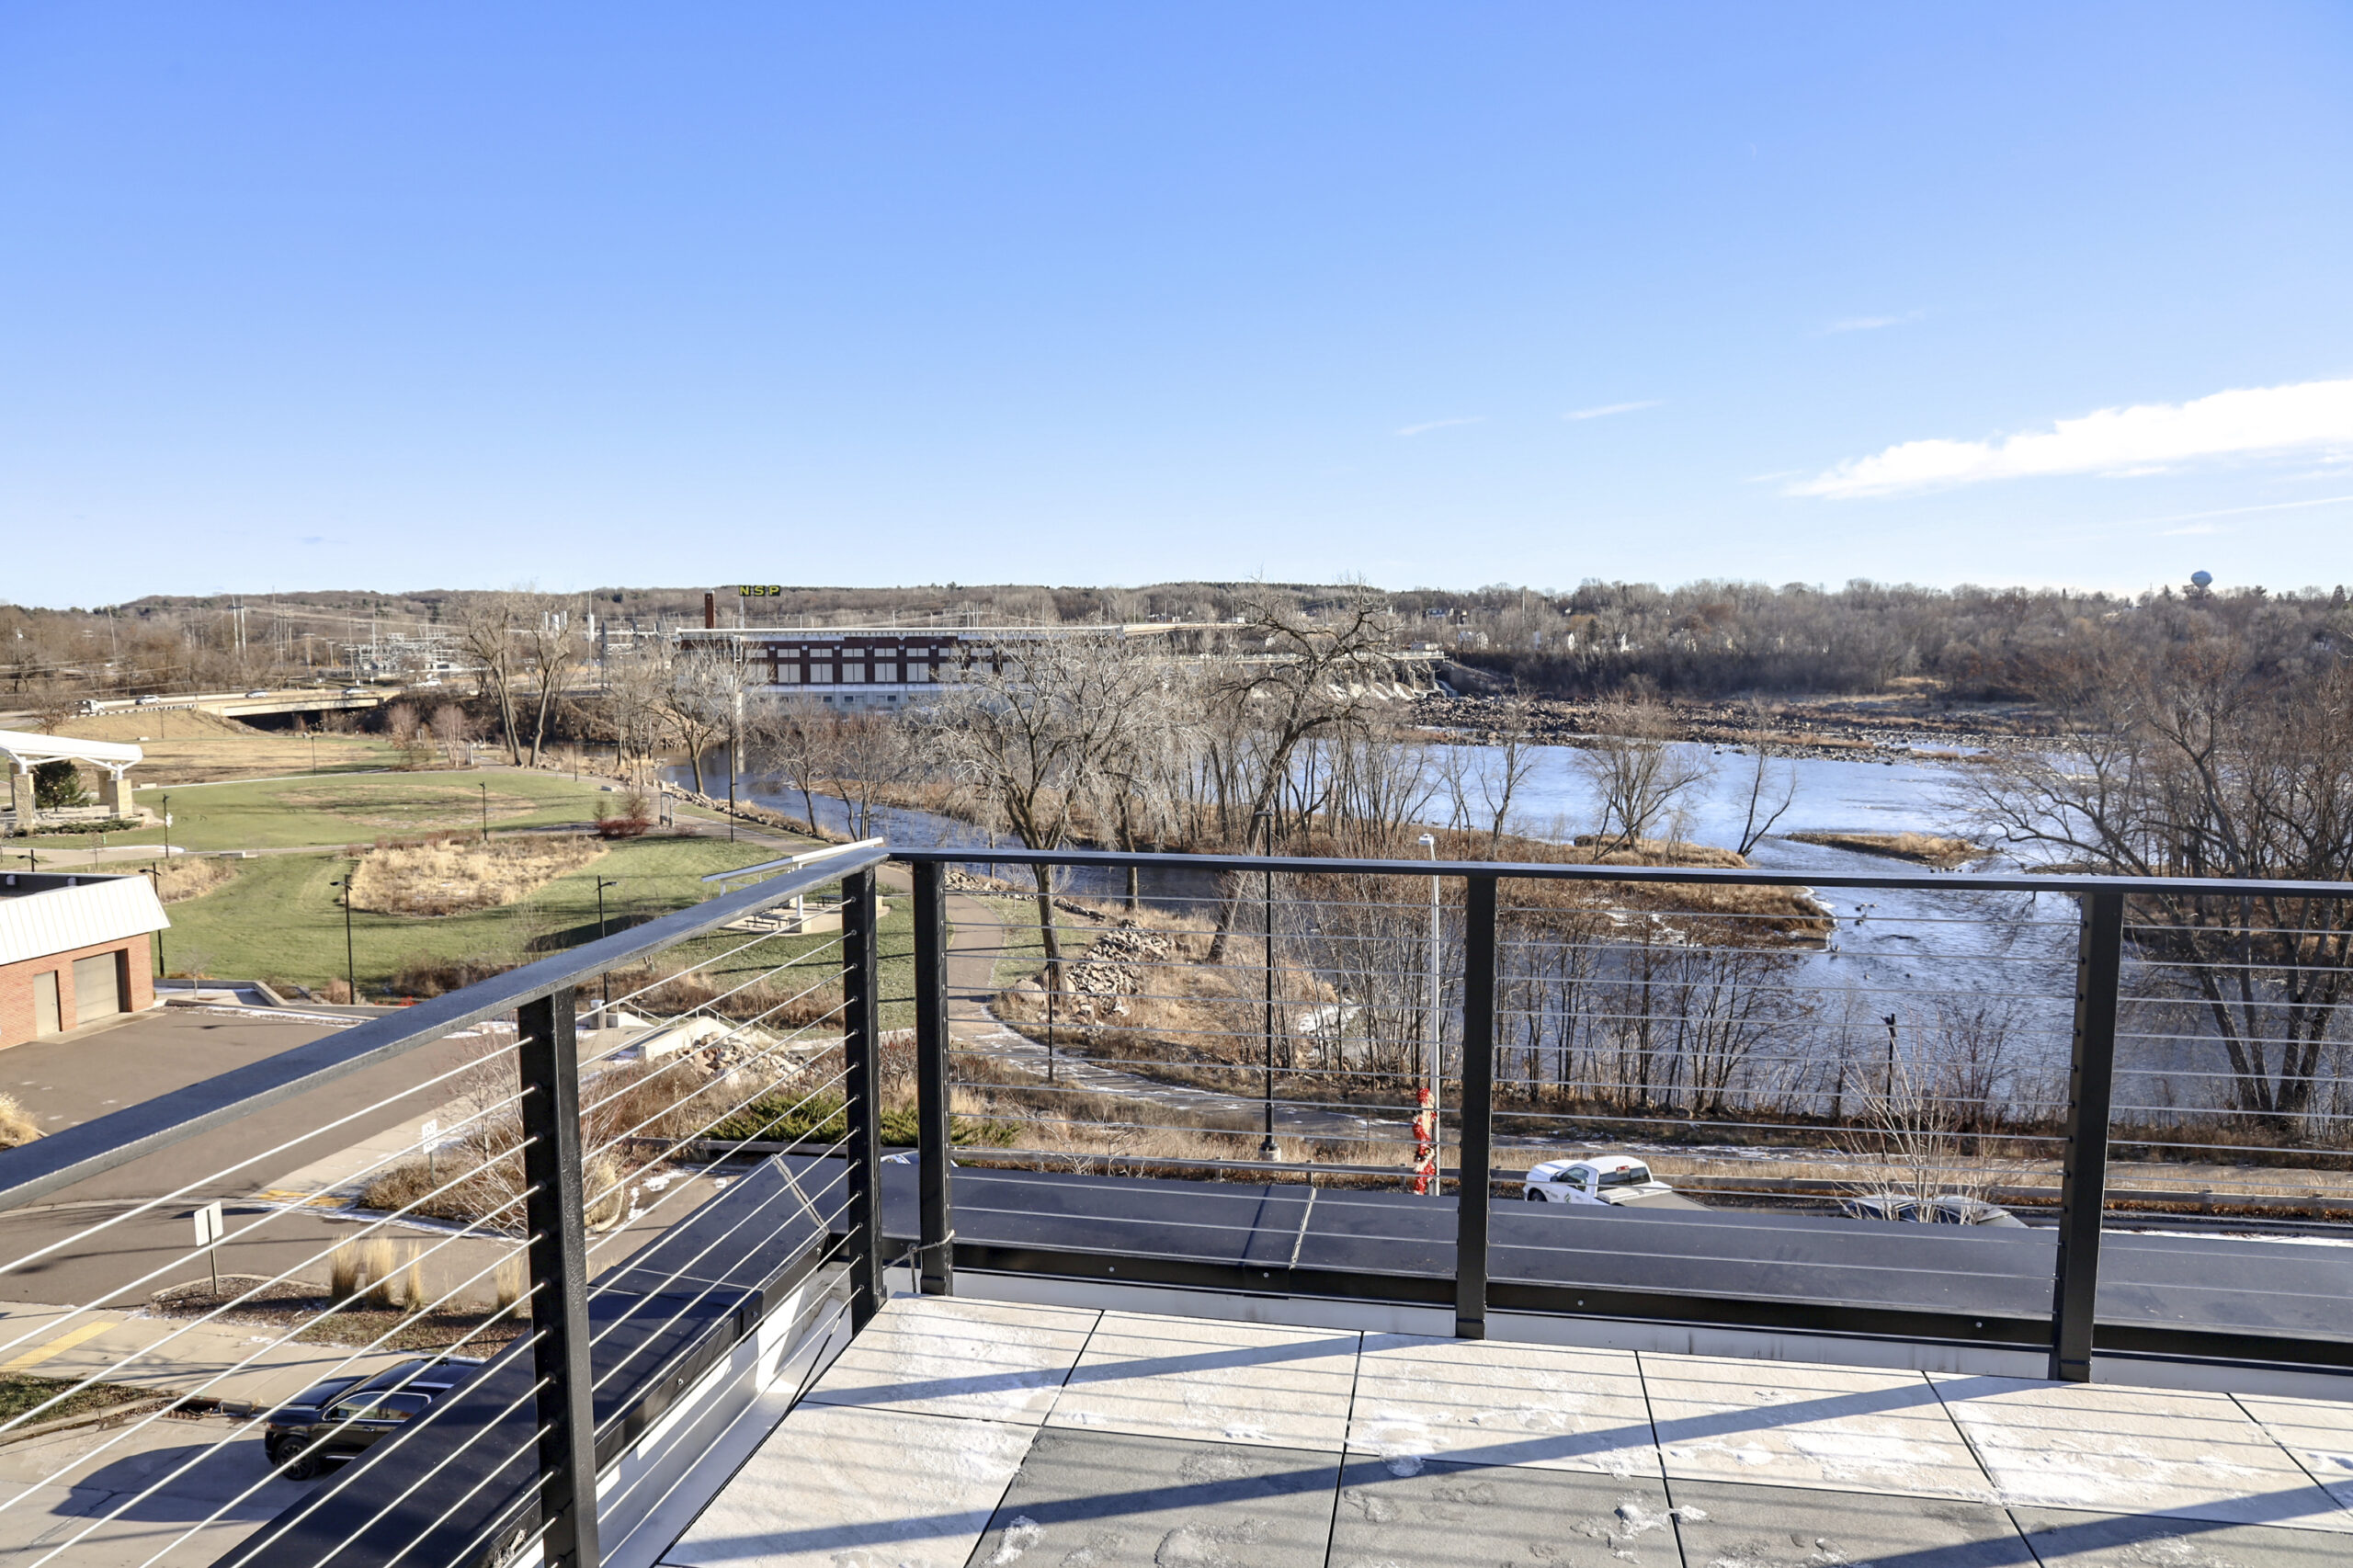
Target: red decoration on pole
1425,1143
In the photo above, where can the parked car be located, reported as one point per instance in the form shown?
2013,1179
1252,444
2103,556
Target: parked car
1945,1209
1617,1179
332,1421
428,680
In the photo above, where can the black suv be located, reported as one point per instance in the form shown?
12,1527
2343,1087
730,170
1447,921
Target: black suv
343,1416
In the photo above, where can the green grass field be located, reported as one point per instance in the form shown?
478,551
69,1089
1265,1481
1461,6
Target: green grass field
336,810
279,920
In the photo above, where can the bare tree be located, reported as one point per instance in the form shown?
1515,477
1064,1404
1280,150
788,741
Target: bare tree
2206,759
1035,726
1767,802
552,646
488,634
700,702
1638,775
793,739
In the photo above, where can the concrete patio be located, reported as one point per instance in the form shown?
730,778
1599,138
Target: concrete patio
962,1432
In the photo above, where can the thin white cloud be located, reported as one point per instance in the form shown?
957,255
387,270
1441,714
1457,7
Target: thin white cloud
1870,323
2144,438
1606,409
2194,528
1439,424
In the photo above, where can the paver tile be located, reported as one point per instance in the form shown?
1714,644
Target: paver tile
2064,1539
838,1486
1502,1403
1217,1382
1727,1524
2318,1432
1113,1500
944,1356
2118,1451
1794,1425
1405,1512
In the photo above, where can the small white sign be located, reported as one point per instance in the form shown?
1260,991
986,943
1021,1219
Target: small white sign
432,1129
167,819
208,1224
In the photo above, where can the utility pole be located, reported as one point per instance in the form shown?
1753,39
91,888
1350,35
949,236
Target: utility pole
484,788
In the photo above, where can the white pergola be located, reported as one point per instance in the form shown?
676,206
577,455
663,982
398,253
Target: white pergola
26,751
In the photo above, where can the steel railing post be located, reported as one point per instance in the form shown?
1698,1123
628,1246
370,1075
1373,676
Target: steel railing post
935,1144
547,1059
2083,1180
1473,1141
861,1086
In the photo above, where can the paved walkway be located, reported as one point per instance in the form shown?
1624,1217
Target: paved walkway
954,1432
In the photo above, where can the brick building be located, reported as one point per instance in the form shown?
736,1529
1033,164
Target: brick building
73,950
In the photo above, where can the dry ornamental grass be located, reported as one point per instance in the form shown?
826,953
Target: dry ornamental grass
177,881
448,876
15,1123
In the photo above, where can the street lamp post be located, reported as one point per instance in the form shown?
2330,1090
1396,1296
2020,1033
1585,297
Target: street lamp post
1266,825
350,965
167,830
606,977
484,788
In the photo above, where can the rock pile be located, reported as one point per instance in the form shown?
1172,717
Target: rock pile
1114,968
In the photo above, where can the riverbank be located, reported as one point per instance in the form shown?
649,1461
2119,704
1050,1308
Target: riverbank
1903,725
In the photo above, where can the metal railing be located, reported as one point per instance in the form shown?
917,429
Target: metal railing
500,1234
1329,1078
1917,1045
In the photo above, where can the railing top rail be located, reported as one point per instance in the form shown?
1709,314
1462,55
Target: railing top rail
1962,882
35,1170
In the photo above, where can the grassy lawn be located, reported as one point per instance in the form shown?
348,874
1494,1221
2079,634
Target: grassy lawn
279,920
352,809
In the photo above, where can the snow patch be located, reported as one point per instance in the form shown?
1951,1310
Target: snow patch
1019,1537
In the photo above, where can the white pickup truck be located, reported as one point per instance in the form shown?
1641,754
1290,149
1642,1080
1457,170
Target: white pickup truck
1617,1179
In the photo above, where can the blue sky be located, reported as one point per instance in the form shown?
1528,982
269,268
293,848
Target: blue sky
307,296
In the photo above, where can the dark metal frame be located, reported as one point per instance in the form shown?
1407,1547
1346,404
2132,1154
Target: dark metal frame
2069,1332
543,997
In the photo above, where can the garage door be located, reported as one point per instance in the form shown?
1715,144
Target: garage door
98,988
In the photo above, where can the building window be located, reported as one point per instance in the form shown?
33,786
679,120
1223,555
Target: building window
854,673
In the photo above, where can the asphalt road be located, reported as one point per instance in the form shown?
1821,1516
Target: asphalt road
75,1077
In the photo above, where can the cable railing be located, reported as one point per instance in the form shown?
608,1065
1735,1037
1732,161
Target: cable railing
2056,1119
489,1299
2039,1113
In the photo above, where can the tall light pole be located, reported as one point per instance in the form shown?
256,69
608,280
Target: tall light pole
484,787
1266,825
167,830
350,965
605,1005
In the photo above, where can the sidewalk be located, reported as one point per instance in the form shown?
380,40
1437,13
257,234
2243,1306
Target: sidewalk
237,1364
